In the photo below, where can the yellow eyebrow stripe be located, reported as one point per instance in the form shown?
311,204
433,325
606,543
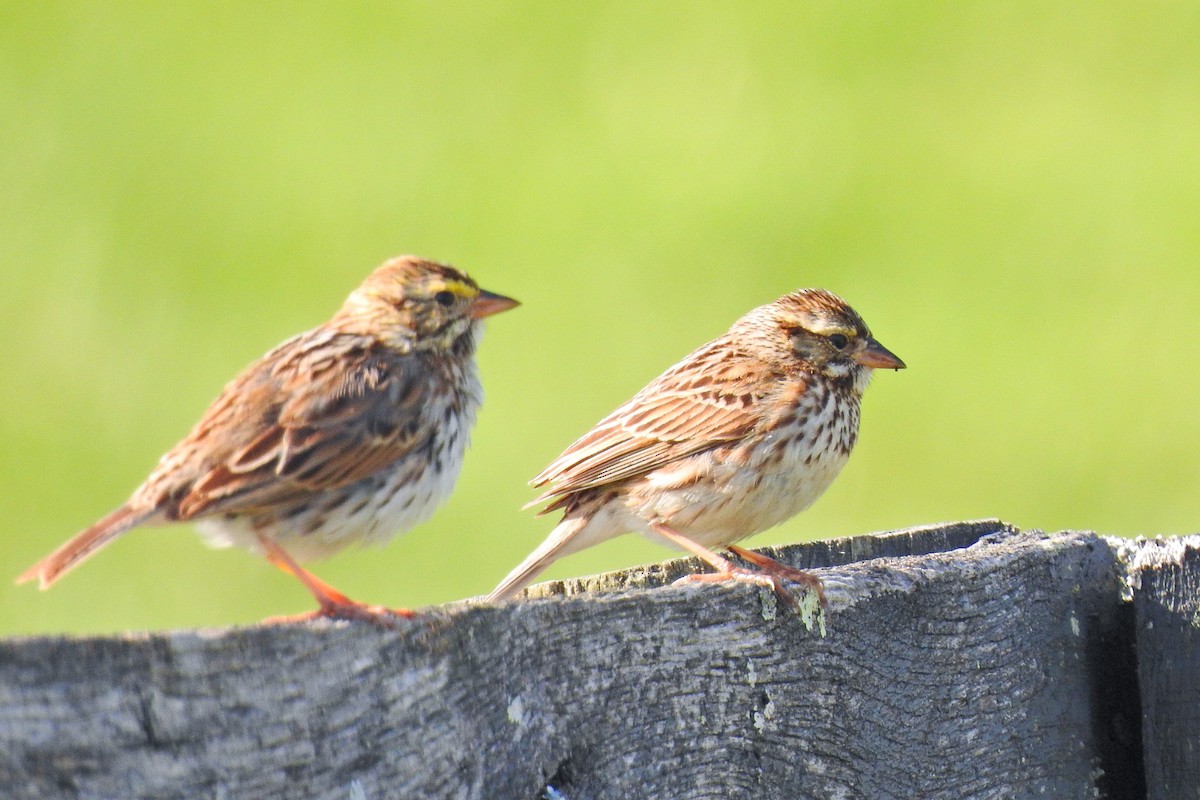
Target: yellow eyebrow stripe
459,288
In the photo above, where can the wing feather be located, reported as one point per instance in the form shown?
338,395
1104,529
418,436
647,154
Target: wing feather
706,400
322,410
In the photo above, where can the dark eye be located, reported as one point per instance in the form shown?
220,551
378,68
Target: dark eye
839,341
445,297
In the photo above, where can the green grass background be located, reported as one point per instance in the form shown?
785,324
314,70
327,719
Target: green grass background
1008,192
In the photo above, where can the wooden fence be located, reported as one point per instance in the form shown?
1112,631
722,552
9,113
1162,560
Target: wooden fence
967,660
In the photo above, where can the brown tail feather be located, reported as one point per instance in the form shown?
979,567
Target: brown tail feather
83,544
563,540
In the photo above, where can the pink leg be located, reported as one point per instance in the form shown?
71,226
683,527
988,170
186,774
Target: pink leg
726,570
333,604
773,567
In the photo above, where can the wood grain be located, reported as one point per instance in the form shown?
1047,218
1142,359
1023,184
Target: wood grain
967,660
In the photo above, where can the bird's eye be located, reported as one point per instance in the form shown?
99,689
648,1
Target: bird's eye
839,341
445,297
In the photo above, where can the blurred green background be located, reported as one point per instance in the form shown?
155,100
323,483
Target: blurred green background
1009,194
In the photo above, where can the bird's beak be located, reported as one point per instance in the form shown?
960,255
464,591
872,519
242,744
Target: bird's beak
488,303
877,356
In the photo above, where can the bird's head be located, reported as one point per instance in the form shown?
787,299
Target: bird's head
416,304
817,331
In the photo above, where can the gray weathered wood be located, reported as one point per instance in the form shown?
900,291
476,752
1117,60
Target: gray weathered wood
960,661
1165,577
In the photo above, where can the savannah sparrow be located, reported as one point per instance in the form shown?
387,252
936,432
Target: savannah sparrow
351,432
739,436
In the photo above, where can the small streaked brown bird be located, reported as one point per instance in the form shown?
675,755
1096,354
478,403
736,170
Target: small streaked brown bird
739,436
348,433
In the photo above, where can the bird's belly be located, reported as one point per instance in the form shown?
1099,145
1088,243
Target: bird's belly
370,511
720,497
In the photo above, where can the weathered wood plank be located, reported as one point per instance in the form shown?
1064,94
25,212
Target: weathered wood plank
963,672
1165,580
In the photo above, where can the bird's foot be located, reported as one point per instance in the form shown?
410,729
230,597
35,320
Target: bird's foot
743,575
350,611
770,566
